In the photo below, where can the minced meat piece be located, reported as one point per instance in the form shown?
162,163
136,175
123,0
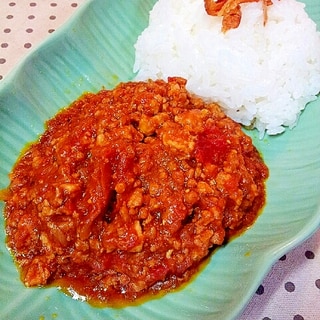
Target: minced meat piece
128,190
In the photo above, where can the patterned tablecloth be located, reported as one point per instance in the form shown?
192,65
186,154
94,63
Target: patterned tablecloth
291,290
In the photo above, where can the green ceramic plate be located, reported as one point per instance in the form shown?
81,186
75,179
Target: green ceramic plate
95,49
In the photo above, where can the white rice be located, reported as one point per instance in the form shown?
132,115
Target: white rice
261,75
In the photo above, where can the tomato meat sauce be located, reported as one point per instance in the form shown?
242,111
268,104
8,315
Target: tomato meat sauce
128,190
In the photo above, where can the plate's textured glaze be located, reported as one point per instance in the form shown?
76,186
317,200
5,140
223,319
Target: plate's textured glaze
95,49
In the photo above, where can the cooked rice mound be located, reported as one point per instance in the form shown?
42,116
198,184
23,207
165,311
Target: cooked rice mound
263,76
